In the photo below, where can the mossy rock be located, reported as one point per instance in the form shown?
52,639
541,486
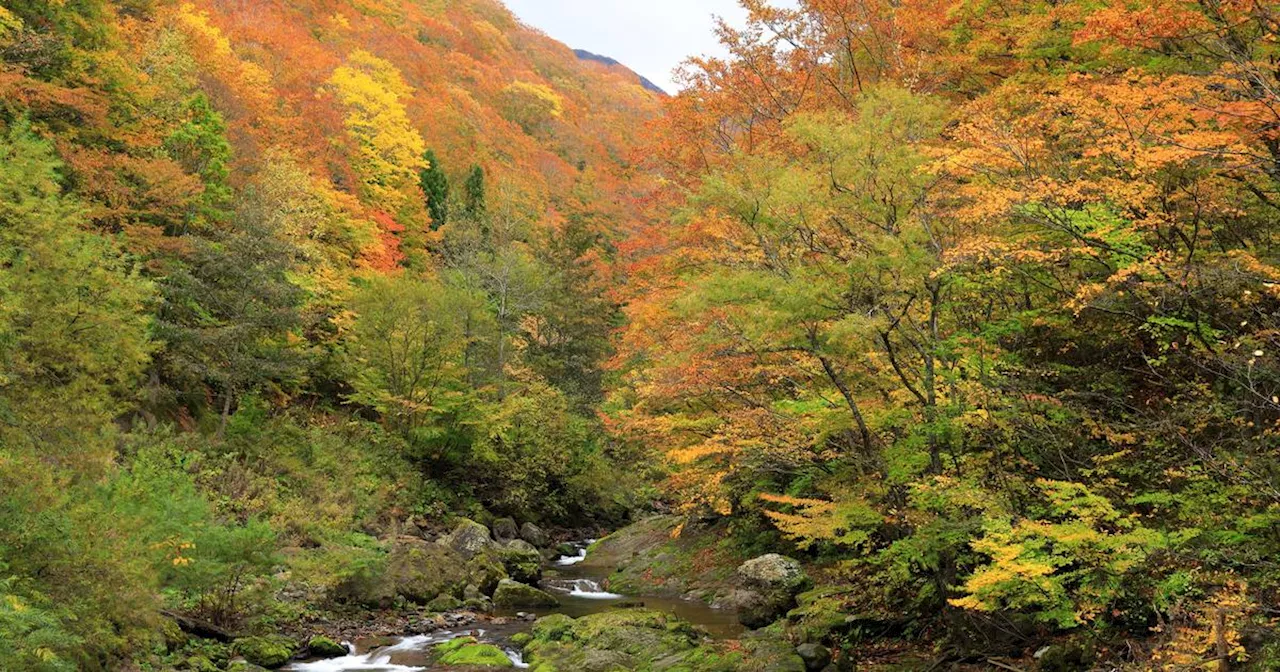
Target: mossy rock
485,571
420,570
244,666
553,628
323,647
513,594
468,538
633,639
521,638
200,664
521,561
468,651
270,652
444,603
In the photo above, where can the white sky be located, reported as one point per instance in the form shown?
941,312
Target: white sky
651,37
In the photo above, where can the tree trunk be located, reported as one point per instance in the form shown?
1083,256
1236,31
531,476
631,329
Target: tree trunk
226,413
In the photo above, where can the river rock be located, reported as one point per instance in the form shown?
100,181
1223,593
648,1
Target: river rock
419,571
534,535
323,647
773,571
444,603
485,570
505,529
270,652
244,666
770,584
468,538
815,656
515,594
522,561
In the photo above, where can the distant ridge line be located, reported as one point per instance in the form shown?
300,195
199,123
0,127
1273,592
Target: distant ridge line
645,82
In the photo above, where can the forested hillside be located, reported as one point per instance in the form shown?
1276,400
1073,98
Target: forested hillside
977,303
337,317
279,280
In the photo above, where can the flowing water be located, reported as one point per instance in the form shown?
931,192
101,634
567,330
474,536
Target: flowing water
580,593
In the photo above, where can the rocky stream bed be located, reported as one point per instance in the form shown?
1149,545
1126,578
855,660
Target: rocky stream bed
552,610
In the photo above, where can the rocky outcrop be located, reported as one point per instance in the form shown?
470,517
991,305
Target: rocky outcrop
769,585
513,594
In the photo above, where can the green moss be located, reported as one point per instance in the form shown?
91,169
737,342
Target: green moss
270,652
468,651
513,594
325,647
444,603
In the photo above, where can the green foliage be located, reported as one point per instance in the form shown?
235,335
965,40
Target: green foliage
407,354
435,186
73,335
229,316
199,144
473,194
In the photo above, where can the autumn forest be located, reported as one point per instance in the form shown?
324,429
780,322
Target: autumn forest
395,335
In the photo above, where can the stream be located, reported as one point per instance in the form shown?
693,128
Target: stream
579,590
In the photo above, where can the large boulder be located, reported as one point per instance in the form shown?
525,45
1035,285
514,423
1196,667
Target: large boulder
485,570
534,535
270,652
770,584
419,571
513,594
773,571
522,561
467,539
505,529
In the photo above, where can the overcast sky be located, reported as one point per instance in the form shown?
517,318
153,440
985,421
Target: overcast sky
651,37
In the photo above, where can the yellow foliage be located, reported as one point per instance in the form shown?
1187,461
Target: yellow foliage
389,148
1196,634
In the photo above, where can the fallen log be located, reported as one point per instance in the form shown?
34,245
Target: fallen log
200,628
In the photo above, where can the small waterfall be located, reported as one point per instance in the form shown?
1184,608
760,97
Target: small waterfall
582,588
566,560
379,659
516,657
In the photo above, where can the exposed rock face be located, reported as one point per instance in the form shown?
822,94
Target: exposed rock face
505,529
467,539
534,535
770,584
515,594
420,571
522,561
